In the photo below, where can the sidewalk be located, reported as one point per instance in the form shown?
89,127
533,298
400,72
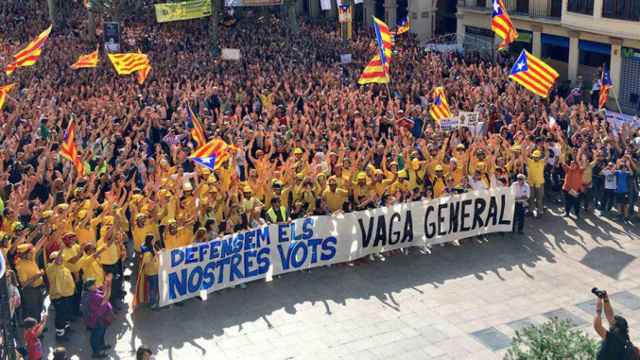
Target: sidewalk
457,303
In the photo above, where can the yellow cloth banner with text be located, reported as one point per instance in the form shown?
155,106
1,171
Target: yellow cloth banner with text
183,10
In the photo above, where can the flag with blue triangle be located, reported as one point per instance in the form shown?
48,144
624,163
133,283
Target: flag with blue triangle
207,161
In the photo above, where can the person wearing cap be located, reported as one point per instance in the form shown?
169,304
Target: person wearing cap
361,193
90,266
109,248
334,196
31,280
71,254
438,181
535,171
522,193
99,315
277,213
62,288
85,226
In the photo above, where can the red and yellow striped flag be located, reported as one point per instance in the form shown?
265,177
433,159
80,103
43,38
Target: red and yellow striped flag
69,149
374,72
128,63
86,61
30,54
212,154
533,74
440,108
4,92
141,75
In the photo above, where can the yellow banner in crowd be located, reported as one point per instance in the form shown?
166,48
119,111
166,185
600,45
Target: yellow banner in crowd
183,10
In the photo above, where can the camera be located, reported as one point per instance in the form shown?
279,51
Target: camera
599,293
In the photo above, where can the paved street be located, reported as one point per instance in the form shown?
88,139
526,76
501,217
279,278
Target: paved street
457,303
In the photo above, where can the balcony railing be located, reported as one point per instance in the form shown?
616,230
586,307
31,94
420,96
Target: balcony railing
621,9
533,8
580,6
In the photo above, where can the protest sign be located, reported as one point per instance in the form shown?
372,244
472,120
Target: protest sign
323,240
185,10
345,58
230,54
616,120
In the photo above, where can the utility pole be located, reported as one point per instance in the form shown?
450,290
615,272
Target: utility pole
291,12
213,28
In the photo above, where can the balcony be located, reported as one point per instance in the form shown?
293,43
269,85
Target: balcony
614,18
548,9
621,9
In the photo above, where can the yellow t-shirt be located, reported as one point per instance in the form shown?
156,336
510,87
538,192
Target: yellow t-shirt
26,269
439,185
151,264
185,235
536,172
110,255
87,234
61,283
91,269
68,253
335,200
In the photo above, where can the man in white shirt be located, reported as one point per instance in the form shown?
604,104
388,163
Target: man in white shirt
522,192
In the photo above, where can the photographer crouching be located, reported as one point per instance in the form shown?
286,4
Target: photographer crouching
616,344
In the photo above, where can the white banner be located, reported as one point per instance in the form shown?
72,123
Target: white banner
323,240
230,54
616,120
325,4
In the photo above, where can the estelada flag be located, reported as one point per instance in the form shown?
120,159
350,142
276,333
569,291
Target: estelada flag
533,74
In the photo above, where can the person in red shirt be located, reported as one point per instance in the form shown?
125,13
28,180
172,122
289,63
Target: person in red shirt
573,187
33,330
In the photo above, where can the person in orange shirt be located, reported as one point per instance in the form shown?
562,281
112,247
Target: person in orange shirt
572,188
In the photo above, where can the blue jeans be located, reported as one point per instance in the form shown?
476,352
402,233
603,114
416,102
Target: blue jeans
97,338
153,289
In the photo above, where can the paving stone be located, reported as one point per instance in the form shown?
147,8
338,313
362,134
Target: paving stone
492,338
588,306
626,299
564,314
519,325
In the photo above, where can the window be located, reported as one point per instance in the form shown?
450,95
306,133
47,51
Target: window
621,9
555,52
581,6
556,8
481,3
593,59
522,6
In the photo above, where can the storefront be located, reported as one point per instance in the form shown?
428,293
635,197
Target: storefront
524,41
555,47
629,92
479,39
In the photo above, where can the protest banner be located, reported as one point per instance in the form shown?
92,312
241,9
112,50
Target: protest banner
236,3
185,10
616,120
230,54
324,240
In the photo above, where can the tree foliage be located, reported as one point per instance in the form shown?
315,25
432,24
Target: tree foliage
555,340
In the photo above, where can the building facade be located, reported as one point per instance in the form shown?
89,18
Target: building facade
576,37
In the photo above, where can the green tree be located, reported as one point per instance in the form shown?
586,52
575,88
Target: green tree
554,340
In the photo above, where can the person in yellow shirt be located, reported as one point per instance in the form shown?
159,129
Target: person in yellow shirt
71,254
535,168
361,193
438,182
178,234
31,280
380,185
85,227
90,266
147,284
62,288
277,213
143,225
401,186
308,197
334,196
109,247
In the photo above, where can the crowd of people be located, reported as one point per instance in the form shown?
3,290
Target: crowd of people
308,140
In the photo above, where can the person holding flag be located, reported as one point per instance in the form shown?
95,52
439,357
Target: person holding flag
605,86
